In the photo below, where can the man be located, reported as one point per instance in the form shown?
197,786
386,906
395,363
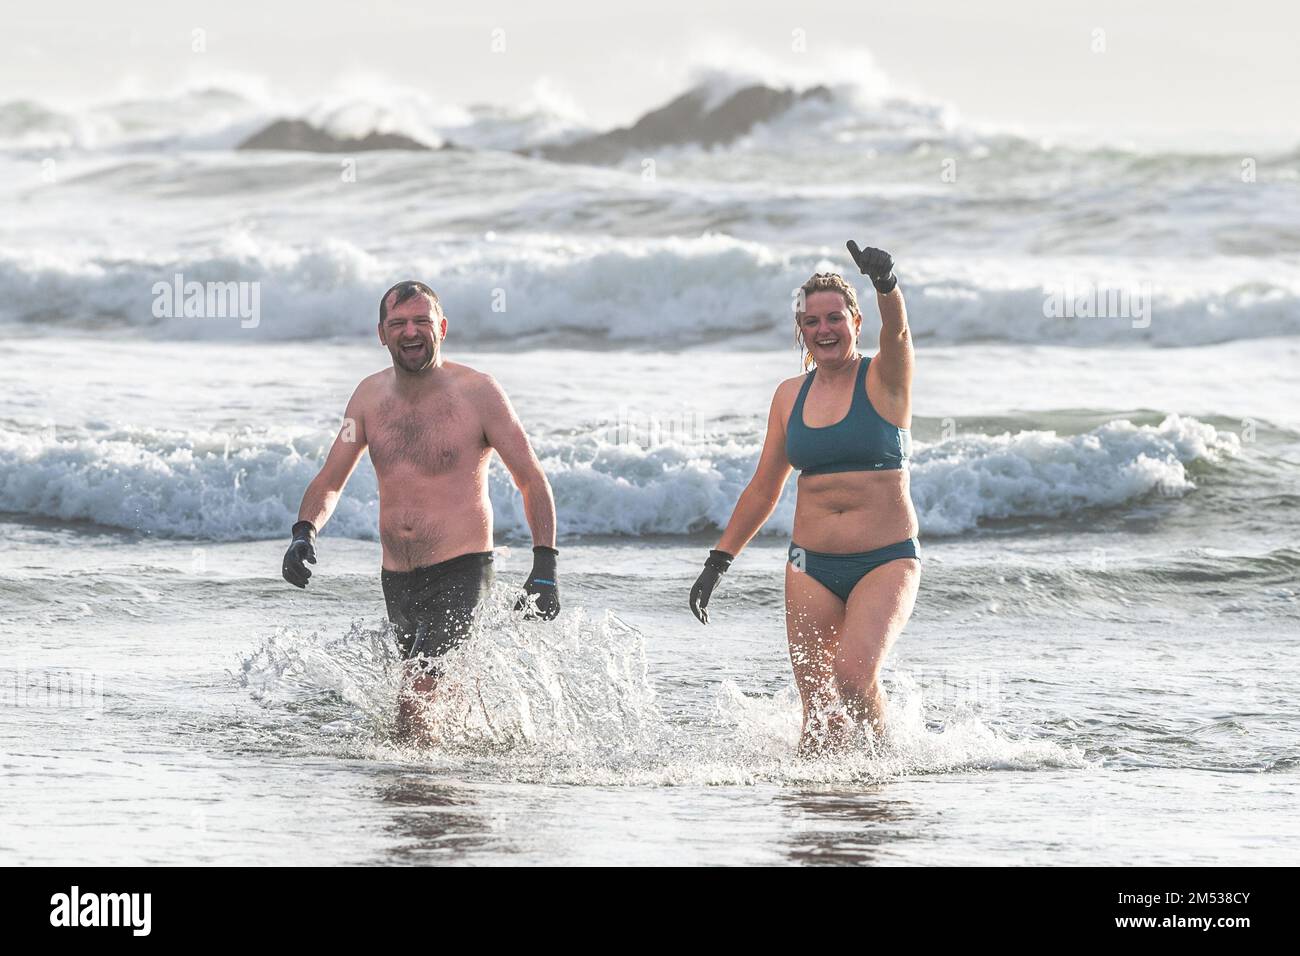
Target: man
431,427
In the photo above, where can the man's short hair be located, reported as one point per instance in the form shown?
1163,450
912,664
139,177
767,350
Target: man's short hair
407,289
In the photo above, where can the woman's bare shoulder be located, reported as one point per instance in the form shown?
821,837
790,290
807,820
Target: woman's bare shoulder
784,396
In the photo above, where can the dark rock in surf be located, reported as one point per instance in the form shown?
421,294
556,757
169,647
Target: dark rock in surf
685,120
302,136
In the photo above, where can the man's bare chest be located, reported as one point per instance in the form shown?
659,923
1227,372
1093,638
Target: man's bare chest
434,435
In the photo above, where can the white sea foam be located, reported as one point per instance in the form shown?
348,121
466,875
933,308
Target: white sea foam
217,114
195,113
961,482
647,291
247,484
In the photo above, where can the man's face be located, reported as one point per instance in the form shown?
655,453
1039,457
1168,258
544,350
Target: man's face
413,332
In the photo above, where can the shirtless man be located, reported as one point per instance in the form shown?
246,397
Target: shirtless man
431,427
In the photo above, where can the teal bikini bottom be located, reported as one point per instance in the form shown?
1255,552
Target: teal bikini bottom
839,573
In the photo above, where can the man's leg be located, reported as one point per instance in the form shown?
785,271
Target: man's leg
444,603
401,592
414,700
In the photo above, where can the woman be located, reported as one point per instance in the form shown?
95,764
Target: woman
854,562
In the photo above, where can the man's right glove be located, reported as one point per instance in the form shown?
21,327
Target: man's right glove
714,568
303,548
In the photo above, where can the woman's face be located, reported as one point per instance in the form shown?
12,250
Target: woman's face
829,329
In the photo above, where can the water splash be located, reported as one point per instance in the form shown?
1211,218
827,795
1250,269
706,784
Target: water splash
577,686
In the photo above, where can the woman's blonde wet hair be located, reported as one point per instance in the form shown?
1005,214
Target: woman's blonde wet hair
821,282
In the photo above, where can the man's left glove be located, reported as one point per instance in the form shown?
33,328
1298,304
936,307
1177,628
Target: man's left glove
303,548
542,582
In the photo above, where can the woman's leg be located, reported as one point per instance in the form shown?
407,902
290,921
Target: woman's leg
876,612
813,620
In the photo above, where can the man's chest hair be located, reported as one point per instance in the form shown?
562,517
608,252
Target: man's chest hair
432,434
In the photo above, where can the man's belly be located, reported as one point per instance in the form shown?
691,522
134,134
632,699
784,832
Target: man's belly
851,512
422,522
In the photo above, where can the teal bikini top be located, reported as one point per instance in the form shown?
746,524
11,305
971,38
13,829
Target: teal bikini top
861,441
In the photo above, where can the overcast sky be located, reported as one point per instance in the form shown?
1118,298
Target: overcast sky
1225,75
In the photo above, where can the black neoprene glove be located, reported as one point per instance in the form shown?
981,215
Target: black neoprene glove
876,264
542,582
714,568
303,548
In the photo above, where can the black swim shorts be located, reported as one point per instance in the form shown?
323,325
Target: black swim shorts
433,608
